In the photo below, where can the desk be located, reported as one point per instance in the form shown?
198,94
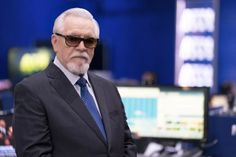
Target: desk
220,129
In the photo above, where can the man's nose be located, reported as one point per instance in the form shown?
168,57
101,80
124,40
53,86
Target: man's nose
81,45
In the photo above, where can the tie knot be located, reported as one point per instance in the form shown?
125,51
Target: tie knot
82,82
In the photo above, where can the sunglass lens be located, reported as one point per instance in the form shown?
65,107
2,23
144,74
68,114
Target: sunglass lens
72,40
90,42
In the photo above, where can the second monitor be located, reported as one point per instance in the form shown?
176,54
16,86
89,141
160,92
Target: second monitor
166,112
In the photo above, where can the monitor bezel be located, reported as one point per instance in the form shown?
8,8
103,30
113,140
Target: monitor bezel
205,91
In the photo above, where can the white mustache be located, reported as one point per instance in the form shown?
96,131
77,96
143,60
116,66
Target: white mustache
81,55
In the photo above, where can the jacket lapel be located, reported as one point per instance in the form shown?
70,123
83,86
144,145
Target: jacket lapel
66,90
101,100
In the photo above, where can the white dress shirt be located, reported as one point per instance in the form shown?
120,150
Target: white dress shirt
74,78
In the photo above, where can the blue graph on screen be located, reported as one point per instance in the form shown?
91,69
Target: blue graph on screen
141,114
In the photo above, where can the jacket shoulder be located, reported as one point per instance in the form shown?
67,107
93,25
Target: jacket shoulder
100,79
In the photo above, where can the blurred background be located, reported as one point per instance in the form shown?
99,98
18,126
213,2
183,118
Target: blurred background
169,38
142,42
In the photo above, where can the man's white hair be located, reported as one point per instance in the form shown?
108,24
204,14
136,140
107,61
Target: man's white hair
78,12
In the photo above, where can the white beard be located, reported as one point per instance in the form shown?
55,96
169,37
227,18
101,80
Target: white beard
75,69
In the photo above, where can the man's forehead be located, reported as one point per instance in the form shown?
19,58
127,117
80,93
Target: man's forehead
73,18
79,26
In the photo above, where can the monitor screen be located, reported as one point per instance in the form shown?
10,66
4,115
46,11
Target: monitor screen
166,112
6,134
23,62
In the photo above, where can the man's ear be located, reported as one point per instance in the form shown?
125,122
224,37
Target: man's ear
54,42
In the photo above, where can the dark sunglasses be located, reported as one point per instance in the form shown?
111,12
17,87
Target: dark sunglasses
74,41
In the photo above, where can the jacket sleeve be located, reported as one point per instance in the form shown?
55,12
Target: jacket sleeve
129,147
30,126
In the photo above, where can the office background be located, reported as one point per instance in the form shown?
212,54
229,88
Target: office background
137,35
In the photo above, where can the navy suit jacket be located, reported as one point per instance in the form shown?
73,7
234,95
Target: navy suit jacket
50,119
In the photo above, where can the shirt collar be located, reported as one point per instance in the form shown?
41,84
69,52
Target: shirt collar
72,77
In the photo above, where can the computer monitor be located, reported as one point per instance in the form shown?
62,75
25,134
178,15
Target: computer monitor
166,112
23,62
6,133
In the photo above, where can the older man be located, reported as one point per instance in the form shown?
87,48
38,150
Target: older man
66,111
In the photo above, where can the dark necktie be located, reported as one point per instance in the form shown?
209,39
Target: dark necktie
90,104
